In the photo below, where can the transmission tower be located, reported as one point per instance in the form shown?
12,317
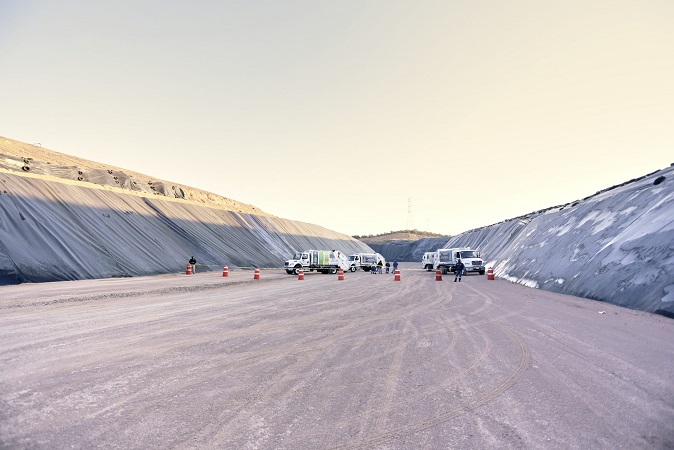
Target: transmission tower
410,223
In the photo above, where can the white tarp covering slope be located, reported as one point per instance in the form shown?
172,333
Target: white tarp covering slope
65,230
616,246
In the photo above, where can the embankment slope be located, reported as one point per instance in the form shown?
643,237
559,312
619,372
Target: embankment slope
55,226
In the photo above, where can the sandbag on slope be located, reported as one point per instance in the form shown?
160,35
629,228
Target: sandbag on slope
24,158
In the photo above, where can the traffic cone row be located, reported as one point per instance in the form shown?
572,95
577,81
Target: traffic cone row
340,274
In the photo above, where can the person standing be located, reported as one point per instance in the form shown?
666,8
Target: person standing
459,268
380,267
395,265
193,263
388,266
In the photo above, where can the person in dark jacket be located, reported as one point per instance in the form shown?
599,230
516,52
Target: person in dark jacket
395,265
388,266
193,263
459,270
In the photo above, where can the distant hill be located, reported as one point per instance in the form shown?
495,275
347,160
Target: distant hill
402,235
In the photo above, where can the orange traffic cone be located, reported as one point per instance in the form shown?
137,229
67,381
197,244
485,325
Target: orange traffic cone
490,274
340,275
300,274
189,270
225,271
397,275
438,275
257,274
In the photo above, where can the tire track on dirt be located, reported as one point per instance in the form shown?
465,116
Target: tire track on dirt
484,397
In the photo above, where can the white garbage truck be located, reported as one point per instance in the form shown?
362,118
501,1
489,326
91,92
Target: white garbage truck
365,261
324,261
445,259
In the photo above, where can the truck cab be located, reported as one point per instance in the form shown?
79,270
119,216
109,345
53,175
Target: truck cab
299,260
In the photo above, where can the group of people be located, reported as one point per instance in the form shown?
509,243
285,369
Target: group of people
380,266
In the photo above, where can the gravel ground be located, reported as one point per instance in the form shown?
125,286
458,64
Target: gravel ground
204,361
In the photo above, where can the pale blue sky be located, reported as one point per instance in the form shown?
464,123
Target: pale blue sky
337,113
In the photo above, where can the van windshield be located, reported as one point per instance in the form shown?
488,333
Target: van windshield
469,254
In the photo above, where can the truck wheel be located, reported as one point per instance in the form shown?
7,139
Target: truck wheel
428,267
333,271
289,271
481,272
353,268
444,270
296,270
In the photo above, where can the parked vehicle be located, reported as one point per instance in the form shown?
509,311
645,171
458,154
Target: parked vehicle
365,261
427,260
325,261
445,260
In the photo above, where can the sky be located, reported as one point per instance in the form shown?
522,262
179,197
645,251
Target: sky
360,116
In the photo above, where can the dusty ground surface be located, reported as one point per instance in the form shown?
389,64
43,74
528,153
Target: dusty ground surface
204,361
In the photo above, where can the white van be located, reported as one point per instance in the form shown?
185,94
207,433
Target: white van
427,260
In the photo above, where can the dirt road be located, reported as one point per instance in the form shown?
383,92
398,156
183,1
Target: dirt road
204,361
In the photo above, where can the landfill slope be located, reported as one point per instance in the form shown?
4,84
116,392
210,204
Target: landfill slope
616,245
54,229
